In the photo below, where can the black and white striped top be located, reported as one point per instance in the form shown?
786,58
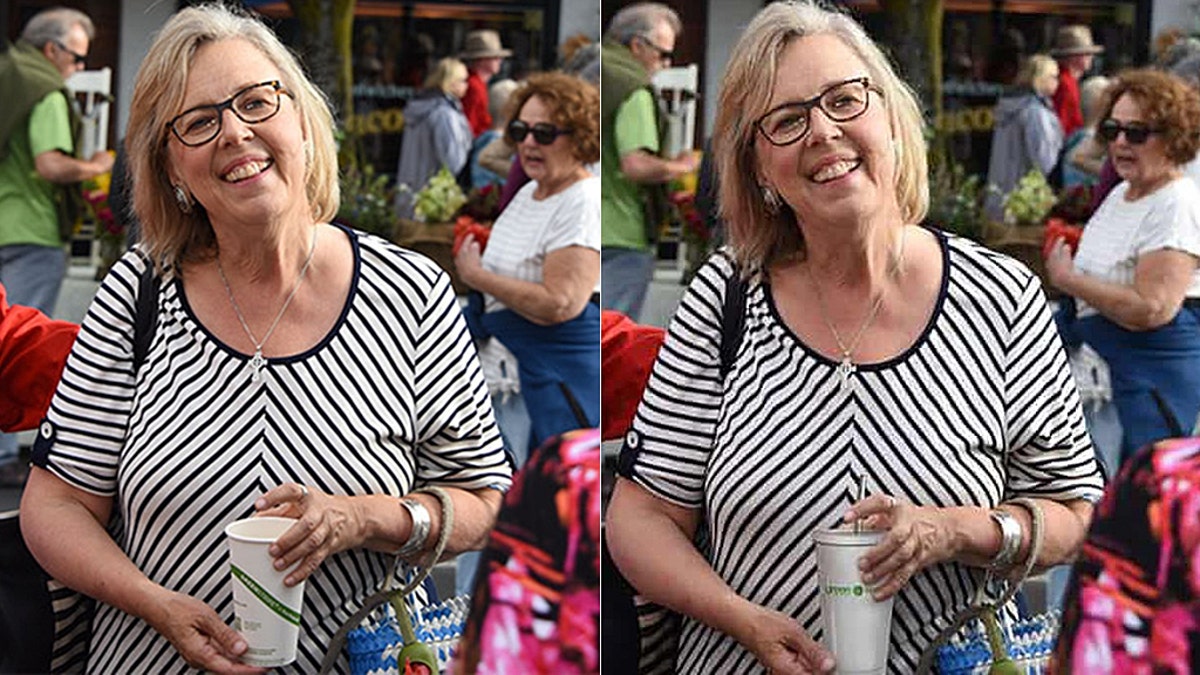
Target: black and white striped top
392,398
980,409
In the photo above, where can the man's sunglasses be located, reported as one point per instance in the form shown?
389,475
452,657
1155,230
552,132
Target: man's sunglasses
80,59
543,133
664,54
1109,129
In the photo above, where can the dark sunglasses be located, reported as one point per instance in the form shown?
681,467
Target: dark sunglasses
80,59
664,54
543,133
1109,129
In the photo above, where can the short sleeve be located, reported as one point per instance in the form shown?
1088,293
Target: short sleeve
458,442
578,222
85,429
50,125
1050,454
1174,223
667,449
635,127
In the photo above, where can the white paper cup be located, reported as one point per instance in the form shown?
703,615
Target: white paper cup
857,628
267,613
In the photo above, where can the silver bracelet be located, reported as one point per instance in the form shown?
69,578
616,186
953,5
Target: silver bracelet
421,525
1010,539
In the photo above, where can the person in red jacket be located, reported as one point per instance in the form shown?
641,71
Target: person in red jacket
1074,49
483,55
33,350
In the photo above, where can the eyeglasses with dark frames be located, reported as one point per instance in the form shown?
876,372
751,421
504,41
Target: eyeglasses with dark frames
253,104
840,102
664,54
80,59
543,133
1136,134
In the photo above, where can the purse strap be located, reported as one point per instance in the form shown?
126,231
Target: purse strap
979,608
389,592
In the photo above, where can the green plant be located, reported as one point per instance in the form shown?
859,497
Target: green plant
440,199
955,199
367,200
1030,200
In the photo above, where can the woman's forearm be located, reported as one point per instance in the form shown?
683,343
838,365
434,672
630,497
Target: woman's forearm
1122,304
389,524
1065,526
658,558
73,547
539,303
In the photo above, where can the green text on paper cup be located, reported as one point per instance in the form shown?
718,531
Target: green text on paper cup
844,590
286,613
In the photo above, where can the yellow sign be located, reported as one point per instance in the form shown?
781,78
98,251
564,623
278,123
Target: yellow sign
966,120
385,121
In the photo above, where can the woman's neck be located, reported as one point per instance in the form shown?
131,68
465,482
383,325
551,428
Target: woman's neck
1142,188
550,186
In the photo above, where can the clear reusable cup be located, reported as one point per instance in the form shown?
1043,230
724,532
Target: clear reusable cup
857,627
266,612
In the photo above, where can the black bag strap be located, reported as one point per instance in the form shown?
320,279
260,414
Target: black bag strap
733,318
145,319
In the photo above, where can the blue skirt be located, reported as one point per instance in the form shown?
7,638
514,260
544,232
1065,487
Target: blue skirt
559,367
1155,374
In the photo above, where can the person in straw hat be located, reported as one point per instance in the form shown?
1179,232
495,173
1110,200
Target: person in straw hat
1074,49
483,55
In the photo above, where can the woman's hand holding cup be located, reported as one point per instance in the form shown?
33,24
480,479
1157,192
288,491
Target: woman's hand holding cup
916,537
326,524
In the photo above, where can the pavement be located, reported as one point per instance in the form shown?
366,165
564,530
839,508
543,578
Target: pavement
78,288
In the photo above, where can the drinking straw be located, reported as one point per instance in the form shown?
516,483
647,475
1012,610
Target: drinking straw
862,493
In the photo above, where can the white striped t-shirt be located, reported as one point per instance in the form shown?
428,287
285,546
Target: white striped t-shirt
1121,231
528,229
391,399
980,409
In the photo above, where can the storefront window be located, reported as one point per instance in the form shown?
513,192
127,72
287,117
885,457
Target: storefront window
395,43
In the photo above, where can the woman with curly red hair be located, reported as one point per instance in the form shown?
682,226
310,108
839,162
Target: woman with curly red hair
540,275
1136,276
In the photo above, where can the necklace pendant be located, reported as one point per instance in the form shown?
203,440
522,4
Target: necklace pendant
256,365
845,369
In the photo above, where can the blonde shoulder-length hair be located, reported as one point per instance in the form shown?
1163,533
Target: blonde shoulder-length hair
444,73
170,236
759,236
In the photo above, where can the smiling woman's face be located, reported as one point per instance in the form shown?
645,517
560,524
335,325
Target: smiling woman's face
838,171
250,174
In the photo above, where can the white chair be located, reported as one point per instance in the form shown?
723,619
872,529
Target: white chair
677,89
93,94
93,91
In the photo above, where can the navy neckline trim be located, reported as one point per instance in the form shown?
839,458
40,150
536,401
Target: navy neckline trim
291,358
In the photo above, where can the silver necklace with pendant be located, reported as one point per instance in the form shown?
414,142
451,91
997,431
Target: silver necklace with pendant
846,367
257,361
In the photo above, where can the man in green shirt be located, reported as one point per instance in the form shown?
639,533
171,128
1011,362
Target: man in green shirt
36,158
639,42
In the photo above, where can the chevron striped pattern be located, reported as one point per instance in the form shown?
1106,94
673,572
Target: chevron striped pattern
981,408
392,398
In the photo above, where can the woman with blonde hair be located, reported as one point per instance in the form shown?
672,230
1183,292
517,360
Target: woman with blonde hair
1026,134
865,350
436,132
289,367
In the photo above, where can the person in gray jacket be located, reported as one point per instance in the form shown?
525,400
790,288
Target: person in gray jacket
1027,134
436,132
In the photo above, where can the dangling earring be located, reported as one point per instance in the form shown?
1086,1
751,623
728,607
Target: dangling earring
771,199
308,153
183,199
